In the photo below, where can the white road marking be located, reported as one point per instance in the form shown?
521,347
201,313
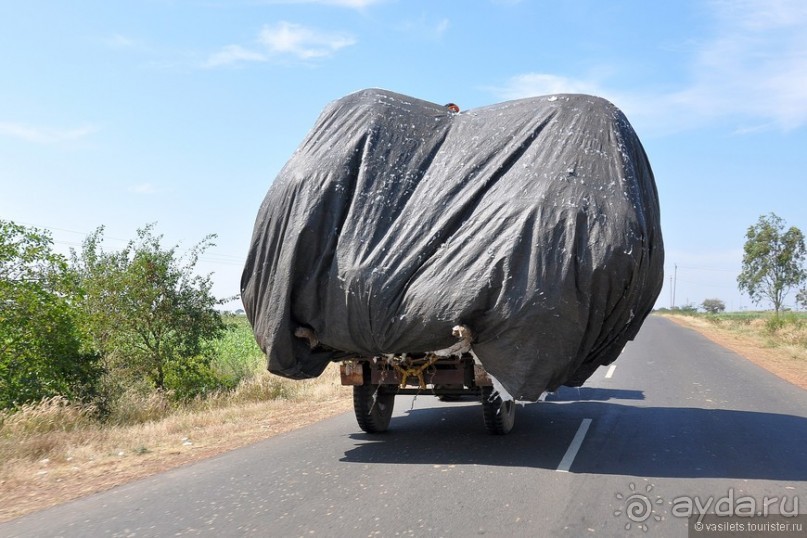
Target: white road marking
610,371
566,463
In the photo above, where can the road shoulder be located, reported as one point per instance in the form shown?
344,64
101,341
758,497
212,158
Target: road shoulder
776,360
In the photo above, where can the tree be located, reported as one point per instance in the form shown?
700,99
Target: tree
713,306
148,313
42,351
801,298
773,261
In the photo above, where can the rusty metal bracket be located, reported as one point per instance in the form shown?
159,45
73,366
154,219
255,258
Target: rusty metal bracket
416,371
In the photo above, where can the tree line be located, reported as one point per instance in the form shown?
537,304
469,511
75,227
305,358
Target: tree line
91,325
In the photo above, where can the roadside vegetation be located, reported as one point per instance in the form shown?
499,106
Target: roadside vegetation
786,329
774,268
117,364
121,337
774,259
777,342
56,449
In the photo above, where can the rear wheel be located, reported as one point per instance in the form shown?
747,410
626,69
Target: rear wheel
373,407
499,415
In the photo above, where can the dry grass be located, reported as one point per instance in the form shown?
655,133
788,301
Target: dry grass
779,346
55,451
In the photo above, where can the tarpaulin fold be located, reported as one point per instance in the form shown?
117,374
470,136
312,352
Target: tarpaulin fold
533,222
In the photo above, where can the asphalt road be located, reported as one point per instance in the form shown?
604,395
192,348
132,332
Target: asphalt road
677,421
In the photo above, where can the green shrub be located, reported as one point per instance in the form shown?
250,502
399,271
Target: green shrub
42,348
784,320
236,355
192,377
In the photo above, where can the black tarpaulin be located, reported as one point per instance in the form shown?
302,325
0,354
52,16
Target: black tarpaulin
533,222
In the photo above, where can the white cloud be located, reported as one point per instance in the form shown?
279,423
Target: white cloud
755,65
44,135
534,84
759,15
286,38
283,39
751,72
234,54
639,108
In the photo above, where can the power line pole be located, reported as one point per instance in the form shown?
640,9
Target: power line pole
675,283
671,292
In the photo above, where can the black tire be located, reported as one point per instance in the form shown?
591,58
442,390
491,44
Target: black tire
500,416
373,407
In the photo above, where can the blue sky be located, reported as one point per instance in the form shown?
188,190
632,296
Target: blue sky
182,112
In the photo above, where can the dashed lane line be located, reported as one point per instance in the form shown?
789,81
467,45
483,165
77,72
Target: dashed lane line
568,458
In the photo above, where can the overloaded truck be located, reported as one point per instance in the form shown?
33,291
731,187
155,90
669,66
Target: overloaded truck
498,252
